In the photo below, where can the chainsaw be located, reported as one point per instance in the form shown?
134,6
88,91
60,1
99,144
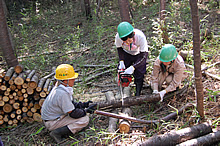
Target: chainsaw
123,81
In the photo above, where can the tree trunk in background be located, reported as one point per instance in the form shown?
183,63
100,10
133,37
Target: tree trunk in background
162,21
124,10
5,39
197,56
88,10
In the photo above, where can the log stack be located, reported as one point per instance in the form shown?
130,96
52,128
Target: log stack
21,95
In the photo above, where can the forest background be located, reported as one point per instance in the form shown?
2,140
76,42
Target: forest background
48,33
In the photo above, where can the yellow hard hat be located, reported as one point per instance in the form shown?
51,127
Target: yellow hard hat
65,72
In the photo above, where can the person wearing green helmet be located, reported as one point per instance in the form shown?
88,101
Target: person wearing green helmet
169,67
133,52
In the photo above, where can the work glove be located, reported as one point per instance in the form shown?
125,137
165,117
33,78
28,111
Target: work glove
129,70
91,109
86,104
121,65
155,92
162,93
82,105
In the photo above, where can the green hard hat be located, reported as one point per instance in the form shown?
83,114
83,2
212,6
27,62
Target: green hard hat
124,29
168,53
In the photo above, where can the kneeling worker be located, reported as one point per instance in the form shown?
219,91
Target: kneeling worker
169,67
60,114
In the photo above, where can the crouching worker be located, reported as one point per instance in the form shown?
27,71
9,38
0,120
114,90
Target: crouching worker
60,114
169,68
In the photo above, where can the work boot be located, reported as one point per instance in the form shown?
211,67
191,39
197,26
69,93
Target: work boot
58,133
139,86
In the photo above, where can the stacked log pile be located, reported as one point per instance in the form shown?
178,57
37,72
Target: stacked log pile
21,95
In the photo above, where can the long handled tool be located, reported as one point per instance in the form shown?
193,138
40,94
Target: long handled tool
124,117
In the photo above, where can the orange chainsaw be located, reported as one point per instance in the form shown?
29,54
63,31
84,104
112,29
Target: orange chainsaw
123,81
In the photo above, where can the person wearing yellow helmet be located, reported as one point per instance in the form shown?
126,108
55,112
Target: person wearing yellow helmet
132,50
61,115
169,67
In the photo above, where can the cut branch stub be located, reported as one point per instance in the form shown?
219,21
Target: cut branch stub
43,94
16,105
124,124
40,84
2,103
41,102
30,75
14,76
34,81
30,91
7,108
50,86
9,73
37,117
19,68
19,80
46,85
3,87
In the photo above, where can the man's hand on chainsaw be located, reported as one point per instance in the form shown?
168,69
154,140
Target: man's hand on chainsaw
121,65
129,70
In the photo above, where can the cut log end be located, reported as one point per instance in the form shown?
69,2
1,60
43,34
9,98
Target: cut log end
7,108
124,127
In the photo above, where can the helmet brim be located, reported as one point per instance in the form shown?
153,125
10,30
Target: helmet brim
74,77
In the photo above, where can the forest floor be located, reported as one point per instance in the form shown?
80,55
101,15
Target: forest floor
50,36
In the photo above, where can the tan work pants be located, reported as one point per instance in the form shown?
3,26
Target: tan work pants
74,125
164,78
161,79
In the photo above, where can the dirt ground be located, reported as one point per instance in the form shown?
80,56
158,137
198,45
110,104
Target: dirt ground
27,133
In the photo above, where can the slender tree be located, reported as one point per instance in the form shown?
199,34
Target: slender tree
197,56
6,45
163,22
88,10
124,10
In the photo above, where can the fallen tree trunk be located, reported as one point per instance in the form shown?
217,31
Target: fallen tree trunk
174,137
137,100
209,139
129,101
125,125
112,122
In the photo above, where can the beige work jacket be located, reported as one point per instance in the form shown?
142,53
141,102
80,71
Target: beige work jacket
177,68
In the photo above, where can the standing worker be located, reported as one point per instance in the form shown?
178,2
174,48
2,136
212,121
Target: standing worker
169,67
133,52
60,114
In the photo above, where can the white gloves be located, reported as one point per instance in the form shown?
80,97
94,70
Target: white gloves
121,65
129,70
162,93
155,92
